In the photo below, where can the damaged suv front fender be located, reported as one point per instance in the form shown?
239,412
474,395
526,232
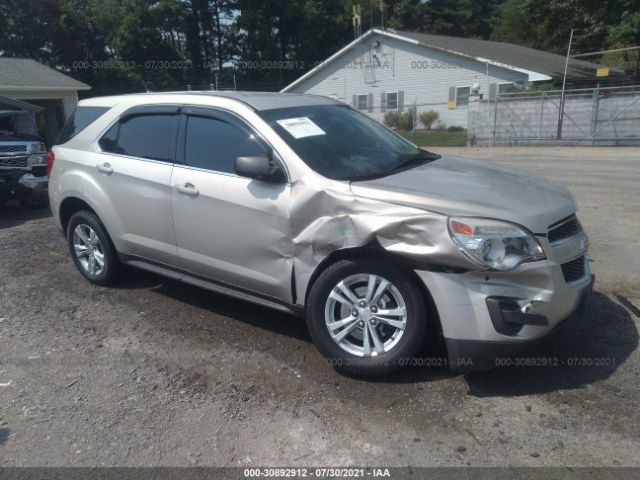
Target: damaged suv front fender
326,220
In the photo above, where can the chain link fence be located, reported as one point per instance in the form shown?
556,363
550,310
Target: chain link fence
594,116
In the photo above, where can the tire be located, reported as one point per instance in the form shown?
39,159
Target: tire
98,245
34,204
351,352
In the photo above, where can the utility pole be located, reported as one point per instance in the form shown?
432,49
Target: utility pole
382,14
564,83
357,20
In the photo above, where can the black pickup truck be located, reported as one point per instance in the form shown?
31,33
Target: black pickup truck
23,167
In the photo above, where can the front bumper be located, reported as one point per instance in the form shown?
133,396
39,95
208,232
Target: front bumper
486,316
24,186
477,355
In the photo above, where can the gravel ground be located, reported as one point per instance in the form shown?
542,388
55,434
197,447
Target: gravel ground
153,372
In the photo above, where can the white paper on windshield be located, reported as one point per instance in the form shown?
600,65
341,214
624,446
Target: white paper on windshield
301,127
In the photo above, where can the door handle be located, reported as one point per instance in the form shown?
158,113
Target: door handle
188,189
105,167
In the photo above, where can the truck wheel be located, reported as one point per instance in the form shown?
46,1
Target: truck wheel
91,248
367,318
34,204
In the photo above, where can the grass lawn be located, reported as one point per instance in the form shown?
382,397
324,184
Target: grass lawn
438,138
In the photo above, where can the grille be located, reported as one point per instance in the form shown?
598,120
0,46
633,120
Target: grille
567,229
13,148
15,162
573,270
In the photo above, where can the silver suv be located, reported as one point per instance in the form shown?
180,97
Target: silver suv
302,204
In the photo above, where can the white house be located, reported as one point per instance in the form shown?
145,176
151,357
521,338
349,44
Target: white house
386,70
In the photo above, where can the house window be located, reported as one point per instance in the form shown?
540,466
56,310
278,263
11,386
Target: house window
462,96
362,102
392,101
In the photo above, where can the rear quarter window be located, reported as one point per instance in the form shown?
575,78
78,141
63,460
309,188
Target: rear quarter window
143,136
80,119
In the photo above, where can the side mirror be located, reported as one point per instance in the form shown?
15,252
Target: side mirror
259,168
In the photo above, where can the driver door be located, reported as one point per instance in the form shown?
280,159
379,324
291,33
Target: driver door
228,228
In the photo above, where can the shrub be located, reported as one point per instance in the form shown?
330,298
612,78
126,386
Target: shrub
409,119
392,119
455,128
428,118
402,121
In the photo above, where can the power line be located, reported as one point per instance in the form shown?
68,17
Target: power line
605,51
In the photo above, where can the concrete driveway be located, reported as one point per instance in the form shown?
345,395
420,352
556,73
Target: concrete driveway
153,372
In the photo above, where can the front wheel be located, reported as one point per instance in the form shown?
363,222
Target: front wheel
366,317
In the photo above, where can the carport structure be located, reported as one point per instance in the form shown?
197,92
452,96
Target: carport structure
32,82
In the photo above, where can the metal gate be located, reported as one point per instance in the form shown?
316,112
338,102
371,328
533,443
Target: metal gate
594,116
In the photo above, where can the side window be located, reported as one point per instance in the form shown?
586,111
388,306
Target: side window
215,144
80,119
362,102
144,136
392,101
462,96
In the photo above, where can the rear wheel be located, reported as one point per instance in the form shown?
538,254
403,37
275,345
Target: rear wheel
366,317
91,248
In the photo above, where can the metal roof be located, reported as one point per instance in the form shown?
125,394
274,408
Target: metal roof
27,74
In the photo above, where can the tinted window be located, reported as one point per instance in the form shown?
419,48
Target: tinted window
215,144
80,119
144,136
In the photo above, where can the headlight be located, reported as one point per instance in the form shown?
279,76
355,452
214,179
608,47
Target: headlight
494,244
38,160
39,148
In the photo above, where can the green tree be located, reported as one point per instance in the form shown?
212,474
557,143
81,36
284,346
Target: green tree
462,18
601,25
278,41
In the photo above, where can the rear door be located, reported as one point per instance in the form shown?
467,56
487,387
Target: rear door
134,170
231,229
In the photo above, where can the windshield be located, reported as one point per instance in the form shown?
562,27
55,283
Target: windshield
341,143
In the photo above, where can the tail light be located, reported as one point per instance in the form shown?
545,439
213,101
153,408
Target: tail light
51,158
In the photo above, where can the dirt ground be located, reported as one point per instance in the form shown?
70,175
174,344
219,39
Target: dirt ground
153,372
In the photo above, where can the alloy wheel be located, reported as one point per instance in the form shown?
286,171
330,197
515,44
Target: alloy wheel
366,315
88,249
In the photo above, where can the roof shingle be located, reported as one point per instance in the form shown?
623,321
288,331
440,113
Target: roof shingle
26,73
518,56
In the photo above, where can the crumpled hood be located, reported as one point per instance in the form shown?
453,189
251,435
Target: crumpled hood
459,186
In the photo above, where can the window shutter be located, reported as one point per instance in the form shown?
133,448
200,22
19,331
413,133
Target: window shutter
354,101
452,98
370,102
401,101
383,101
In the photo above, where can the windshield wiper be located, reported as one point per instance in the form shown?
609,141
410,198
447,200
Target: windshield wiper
367,176
418,159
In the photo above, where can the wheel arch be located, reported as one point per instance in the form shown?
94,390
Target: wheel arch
375,252
71,205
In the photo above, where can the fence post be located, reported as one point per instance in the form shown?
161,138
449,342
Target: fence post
595,105
541,115
492,137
